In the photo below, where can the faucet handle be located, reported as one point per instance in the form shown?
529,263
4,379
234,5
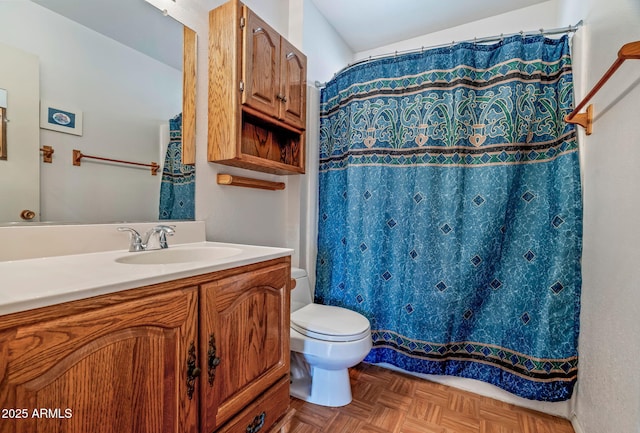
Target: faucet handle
163,231
160,233
136,239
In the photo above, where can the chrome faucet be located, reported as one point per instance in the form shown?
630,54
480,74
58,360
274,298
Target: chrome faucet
145,243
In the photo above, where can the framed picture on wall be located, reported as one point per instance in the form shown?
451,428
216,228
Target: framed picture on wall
59,118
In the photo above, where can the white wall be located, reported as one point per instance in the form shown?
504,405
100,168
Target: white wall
608,393
327,52
124,96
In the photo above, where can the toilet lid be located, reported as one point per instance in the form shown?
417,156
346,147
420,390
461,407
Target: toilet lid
328,323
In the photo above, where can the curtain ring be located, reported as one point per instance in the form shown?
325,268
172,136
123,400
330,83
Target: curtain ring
542,30
501,37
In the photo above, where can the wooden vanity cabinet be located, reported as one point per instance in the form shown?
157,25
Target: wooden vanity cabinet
245,331
257,94
208,353
119,368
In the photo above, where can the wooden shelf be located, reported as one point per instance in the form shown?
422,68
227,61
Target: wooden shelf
247,182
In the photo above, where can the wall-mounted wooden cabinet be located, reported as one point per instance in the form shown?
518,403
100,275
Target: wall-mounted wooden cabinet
257,94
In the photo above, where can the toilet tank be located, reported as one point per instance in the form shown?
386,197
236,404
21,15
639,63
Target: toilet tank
301,294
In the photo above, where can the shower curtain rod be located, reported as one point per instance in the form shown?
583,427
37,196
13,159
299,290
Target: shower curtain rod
556,31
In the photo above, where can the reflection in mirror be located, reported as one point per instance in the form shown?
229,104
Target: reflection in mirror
127,98
3,120
20,172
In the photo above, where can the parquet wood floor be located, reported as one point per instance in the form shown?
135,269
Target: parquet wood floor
386,401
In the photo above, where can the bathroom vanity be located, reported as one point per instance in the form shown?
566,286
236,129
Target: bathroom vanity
155,343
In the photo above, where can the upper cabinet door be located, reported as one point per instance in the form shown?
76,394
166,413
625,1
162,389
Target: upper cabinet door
293,85
261,60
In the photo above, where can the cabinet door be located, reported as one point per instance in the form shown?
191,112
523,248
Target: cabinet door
261,65
245,333
293,85
120,368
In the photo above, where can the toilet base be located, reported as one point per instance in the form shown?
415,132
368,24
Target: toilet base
327,388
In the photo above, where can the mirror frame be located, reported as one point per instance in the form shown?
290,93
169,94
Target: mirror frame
189,65
3,133
3,124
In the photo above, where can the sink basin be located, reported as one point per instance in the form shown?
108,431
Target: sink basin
179,255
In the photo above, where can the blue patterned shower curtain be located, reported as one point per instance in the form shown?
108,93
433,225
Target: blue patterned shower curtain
450,211
177,188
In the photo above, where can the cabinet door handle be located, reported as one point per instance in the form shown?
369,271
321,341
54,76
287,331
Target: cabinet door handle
192,370
281,97
257,423
213,360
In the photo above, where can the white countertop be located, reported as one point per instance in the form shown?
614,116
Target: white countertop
40,282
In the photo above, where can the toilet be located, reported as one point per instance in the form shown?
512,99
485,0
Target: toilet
325,342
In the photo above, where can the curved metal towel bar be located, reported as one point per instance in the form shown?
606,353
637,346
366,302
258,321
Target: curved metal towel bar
628,51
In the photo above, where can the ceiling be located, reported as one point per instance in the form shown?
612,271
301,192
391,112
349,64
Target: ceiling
367,24
363,24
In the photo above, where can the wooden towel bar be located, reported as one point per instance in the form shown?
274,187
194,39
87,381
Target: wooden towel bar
628,51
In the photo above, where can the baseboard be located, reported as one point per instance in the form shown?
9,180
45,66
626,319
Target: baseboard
576,424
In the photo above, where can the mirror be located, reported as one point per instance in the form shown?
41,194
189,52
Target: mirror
118,65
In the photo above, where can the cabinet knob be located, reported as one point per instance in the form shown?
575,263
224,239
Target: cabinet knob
281,97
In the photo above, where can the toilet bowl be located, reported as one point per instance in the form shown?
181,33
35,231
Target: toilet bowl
325,342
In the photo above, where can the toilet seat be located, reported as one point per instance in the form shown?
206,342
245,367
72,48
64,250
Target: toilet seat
329,323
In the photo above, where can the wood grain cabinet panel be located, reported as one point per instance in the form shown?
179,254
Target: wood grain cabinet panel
261,67
246,318
293,85
257,94
114,369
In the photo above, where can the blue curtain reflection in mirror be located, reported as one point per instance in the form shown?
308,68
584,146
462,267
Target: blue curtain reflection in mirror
177,189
